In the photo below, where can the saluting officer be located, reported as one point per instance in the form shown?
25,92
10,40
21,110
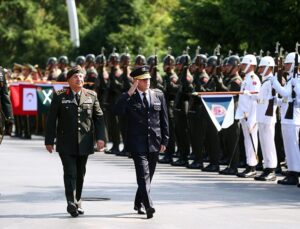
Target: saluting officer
147,133
75,119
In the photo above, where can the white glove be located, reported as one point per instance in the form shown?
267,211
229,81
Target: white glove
246,92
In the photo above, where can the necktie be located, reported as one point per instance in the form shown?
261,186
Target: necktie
77,97
145,101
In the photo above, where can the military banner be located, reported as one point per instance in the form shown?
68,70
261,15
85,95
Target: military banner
220,109
44,97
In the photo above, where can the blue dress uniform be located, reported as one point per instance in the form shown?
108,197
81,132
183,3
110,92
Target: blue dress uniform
75,125
148,129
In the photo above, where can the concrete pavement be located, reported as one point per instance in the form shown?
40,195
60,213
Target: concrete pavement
32,195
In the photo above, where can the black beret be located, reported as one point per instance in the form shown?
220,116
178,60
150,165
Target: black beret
141,72
74,70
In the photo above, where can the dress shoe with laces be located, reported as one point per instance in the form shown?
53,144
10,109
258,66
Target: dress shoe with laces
211,168
195,165
229,171
165,160
249,172
179,162
72,209
290,179
267,175
139,210
150,211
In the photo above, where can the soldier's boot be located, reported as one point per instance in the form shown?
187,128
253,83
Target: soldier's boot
211,168
267,175
180,162
249,172
290,179
165,160
229,171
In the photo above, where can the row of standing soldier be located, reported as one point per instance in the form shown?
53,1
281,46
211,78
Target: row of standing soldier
191,128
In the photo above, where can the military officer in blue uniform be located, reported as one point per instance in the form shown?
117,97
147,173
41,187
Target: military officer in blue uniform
147,133
75,120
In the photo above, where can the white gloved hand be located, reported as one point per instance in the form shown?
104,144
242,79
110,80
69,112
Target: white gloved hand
246,92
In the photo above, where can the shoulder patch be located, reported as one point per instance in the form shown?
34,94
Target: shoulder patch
59,92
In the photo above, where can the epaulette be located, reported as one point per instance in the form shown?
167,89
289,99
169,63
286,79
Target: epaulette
157,90
59,92
91,92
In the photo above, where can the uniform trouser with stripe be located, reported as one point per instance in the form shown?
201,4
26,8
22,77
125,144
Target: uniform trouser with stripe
267,144
290,135
250,144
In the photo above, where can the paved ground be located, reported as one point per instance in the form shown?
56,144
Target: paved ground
32,195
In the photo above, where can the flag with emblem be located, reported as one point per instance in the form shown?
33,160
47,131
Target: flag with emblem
44,97
220,109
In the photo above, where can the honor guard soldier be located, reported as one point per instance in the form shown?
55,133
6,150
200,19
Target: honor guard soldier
52,71
75,120
80,60
246,113
91,77
139,60
113,92
126,81
230,136
63,62
196,111
181,110
290,117
170,89
156,81
266,119
102,76
147,132
6,114
209,131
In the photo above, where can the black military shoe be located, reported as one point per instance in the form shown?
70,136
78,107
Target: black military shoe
229,171
249,172
211,168
79,209
165,160
290,179
139,210
72,209
267,175
195,165
122,153
179,162
150,211
113,150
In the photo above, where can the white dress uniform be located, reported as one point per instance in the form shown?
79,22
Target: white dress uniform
290,127
246,113
266,124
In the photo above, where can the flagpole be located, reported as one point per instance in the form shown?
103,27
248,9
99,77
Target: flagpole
73,23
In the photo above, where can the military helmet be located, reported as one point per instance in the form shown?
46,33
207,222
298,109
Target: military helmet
90,58
212,61
101,59
169,60
63,60
200,59
80,60
151,60
225,61
52,61
177,60
233,60
114,57
185,59
140,60
125,59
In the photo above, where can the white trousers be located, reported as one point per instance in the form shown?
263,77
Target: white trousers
249,148
266,133
290,135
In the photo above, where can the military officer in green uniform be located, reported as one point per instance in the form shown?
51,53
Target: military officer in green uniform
76,120
5,105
